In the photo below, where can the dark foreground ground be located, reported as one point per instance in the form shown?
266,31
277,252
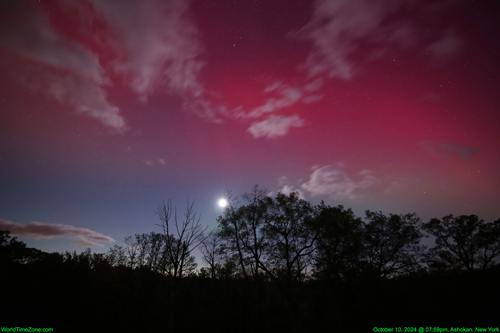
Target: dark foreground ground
72,298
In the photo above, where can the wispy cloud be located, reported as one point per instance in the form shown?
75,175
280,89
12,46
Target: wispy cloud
161,46
449,150
84,242
151,163
339,29
312,99
65,69
336,29
334,182
314,85
149,45
449,45
82,236
289,96
399,184
285,96
275,126
286,188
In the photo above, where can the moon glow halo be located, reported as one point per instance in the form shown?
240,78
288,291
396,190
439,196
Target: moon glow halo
222,203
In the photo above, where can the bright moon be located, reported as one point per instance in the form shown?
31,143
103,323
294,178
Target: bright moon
222,203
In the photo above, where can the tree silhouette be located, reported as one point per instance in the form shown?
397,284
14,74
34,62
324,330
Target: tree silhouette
116,256
339,244
213,254
289,233
365,273
391,243
180,240
464,242
231,227
274,235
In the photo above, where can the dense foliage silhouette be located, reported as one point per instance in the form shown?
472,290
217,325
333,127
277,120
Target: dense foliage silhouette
273,264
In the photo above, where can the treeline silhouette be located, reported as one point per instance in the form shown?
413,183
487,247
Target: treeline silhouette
272,264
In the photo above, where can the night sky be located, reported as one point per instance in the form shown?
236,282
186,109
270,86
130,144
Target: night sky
108,108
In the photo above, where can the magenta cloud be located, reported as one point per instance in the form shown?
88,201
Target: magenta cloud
39,230
84,242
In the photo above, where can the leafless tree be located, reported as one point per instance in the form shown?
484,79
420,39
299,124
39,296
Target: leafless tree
181,237
213,253
116,255
131,251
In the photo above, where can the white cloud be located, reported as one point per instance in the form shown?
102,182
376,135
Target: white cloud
273,86
87,98
332,181
275,126
286,188
162,51
278,125
65,69
289,96
339,29
151,163
161,45
336,28
312,99
314,85
155,46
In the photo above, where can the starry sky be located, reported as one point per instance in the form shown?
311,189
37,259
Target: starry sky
108,108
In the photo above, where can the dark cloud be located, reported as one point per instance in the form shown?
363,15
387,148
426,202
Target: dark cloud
449,150
449,45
